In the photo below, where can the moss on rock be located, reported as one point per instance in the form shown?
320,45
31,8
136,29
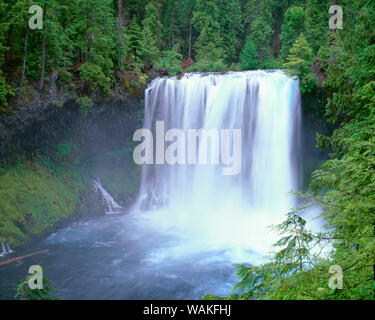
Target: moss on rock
34,199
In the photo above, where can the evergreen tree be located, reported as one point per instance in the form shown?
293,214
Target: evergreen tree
133,40
249,56
209,46
299,63
261,36
293,26
5,88
150,42
94,38
317,17
230,27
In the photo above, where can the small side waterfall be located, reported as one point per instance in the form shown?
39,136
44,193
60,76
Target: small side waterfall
109,203
198,201
5,247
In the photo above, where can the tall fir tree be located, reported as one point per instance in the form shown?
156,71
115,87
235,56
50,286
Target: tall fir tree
292,27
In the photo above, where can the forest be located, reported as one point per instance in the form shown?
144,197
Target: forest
89,43
92,45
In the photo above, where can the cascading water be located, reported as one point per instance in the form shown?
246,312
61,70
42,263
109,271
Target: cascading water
198,202
5,247
109,203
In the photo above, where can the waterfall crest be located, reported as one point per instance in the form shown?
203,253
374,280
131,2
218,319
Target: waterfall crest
199,202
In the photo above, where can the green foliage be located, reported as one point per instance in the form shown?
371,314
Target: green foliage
230,27
261,36
210,52
5,91
170,61
249,56
95,29
35,198
210,60
272,63
95,77
84,104
67,152
317,17
88,42
23,291
293,26
150,35
299,64
133,40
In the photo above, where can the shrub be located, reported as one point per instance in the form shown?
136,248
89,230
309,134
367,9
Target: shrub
170,61
95,77
84,104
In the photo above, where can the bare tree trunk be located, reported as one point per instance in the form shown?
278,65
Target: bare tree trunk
41,82
159,12
23,66
159,36
277,42
190,40
119,23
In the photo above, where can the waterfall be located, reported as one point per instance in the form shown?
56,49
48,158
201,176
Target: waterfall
198,201
5,247
109,203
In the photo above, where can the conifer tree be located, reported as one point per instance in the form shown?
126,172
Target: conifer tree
209,45
249,56
150,42
292,27
299,63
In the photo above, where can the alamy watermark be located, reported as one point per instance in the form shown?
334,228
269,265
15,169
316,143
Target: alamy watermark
337,277
336,21
36,21
36,280
223,149
336,280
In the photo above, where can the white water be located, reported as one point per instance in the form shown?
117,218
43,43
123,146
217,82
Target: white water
204,209
109,203
5,247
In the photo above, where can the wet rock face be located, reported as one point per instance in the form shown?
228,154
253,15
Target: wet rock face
46,118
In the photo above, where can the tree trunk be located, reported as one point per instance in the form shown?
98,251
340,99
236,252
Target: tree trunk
119,23
41,82
159,36
277,41
190,41
23,66
3,263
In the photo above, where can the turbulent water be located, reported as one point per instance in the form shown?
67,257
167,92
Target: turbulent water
191,224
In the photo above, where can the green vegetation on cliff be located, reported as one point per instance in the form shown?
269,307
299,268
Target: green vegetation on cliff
38,196
35,199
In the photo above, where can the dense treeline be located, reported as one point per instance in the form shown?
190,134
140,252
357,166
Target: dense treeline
90,43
